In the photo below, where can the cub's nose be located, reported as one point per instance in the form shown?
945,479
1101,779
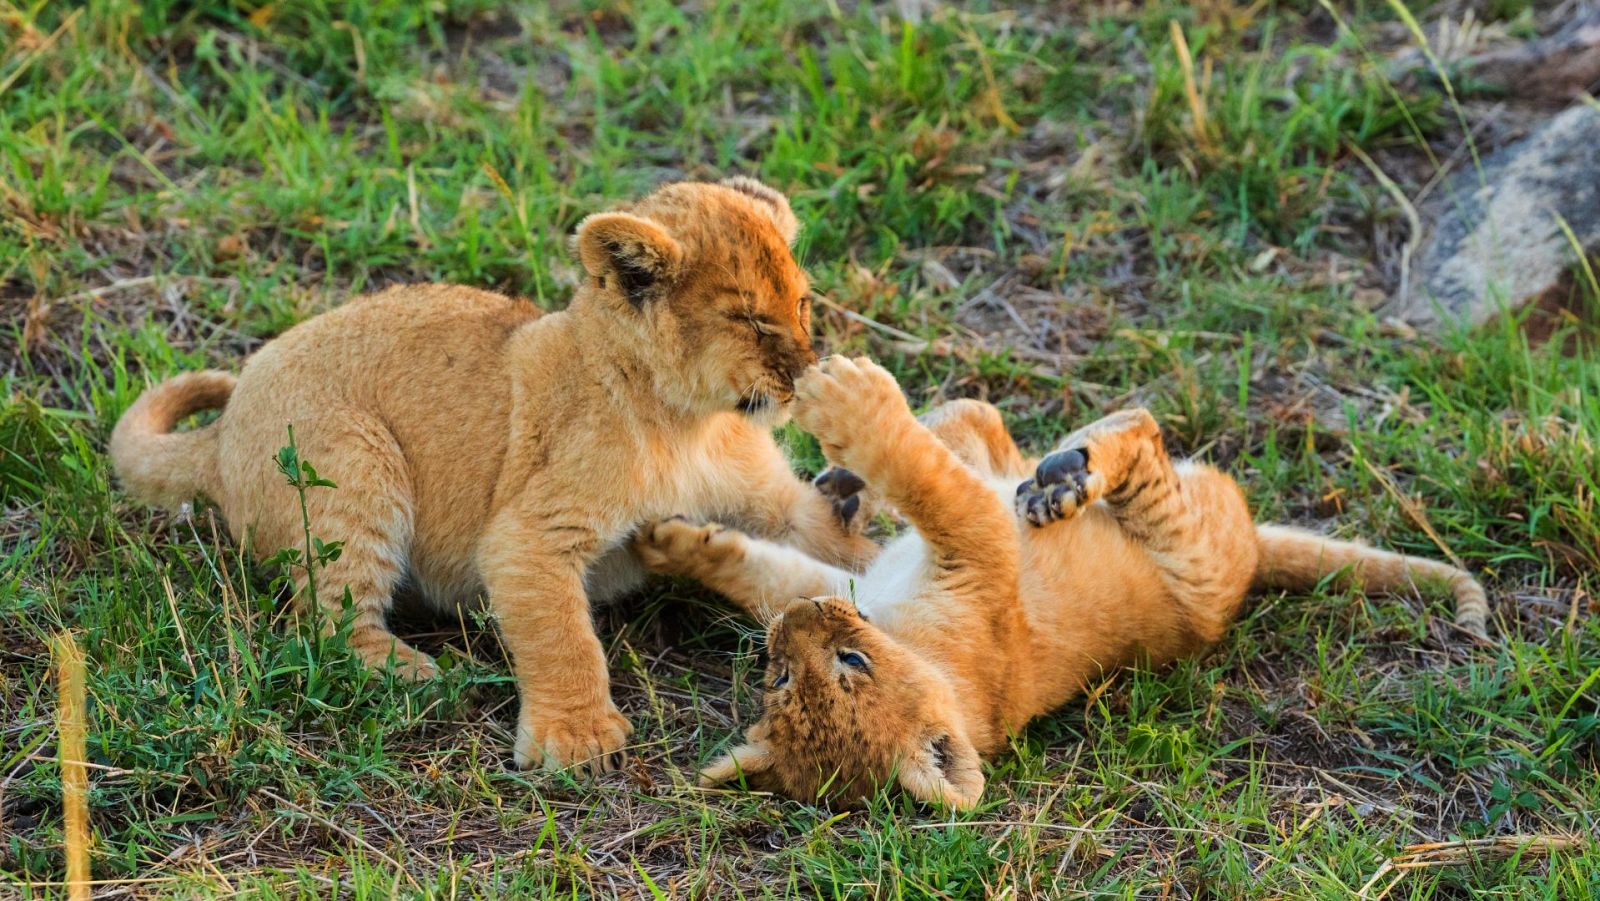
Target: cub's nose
799,362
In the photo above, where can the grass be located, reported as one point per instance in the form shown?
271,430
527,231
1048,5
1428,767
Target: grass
1023,206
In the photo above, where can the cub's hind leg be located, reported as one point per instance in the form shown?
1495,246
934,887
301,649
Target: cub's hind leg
761,577
1189,519
370,511
975,432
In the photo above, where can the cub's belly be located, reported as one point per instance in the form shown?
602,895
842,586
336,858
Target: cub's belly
443,560
896,577
900,574
456,587
616,574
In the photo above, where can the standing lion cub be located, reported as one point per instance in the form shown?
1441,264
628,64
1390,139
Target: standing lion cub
478,446
983,618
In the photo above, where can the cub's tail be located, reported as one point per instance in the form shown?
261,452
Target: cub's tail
163,467
1296,560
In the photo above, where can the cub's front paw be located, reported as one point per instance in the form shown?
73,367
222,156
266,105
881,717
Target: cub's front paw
678,547
588,742
416,666
1063,484
853,505
846,401
379,649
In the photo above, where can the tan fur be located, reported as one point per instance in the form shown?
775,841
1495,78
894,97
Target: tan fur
164,467
977,621
481,447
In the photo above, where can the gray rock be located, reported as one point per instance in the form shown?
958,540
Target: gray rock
1495,243
1560,66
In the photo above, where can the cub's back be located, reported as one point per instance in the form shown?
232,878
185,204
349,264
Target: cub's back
417,367
405,333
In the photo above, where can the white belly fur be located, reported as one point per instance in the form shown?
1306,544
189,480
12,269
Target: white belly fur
901,571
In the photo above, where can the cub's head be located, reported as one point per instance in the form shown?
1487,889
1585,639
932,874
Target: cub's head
848,709
700,278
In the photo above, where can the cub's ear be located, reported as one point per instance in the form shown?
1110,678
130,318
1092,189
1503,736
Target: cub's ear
772,202
944,770
633,253
751,760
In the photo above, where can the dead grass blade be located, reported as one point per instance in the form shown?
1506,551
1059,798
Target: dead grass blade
70,726
1428,855
39,50
1414,512
1197,106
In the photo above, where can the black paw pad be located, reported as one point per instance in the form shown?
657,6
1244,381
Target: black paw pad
847,508
843,487
1063,465
1042,499
840,483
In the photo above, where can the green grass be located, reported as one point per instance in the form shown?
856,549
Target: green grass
1027,194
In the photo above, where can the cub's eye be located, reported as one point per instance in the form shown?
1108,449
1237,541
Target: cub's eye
853,660
782,680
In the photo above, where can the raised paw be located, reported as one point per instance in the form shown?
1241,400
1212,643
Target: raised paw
1062,485
847,403
588,742
678,547
844,489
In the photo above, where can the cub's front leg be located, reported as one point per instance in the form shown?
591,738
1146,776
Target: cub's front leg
760,576
860,417
755,488
533,568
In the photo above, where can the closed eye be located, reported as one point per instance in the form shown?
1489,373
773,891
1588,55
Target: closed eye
761,327
854,660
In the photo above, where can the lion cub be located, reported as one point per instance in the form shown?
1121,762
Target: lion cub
479,447
983,618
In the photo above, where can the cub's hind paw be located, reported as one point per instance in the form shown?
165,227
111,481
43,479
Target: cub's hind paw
843,489
1061,486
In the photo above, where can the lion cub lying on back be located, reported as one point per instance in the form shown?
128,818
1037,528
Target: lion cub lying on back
478,446
967,628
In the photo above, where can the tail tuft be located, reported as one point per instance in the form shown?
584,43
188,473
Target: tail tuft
1293,559
162,467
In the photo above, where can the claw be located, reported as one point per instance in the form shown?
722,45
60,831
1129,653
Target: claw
1057,494
1039,509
